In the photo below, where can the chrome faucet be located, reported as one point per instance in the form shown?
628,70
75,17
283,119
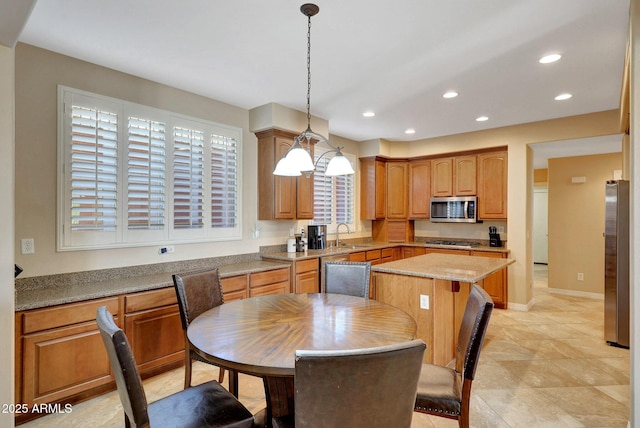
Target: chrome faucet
338,232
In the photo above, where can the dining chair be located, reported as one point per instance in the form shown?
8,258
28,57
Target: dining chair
205,405
197,292
373,387
350,278
446,391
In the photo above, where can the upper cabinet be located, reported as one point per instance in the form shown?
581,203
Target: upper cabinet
492,185
373,186
442,177
464,176
419,188
281,198
453,176
397,190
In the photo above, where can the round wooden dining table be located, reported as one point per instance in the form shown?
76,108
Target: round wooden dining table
260,335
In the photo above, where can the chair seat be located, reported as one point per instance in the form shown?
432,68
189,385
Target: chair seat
205,405
439,391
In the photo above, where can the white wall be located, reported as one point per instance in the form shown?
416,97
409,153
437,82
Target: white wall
6,230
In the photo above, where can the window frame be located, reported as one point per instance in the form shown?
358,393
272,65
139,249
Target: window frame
123,236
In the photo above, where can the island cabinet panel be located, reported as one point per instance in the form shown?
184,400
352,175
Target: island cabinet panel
60,356
492,185
419,189
438,324
373,189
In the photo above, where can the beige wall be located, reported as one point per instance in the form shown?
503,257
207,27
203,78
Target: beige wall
6,230
576,221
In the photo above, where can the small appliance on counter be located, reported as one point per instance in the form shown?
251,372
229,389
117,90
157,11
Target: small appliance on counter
494,237
291,245
317,236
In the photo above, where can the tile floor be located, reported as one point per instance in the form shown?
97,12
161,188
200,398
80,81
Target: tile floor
548,367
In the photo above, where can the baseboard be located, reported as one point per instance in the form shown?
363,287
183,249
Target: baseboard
521,307
575,293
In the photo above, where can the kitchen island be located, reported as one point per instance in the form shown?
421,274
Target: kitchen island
433,289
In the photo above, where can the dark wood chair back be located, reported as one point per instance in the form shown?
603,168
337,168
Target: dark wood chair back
350,278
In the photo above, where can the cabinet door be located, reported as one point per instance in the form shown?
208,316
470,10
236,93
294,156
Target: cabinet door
278,288
397,190
373,202
307,282
156,338
269,282
492,185
304,194
419,188
62,362
464,176
495,284
235,287
285,187
442,177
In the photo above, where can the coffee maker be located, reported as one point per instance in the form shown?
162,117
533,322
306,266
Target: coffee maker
317,236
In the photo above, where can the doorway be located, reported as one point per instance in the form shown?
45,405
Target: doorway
541,225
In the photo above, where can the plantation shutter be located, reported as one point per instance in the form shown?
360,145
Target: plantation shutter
188,178
146,174
224,181
344,199
94,169
322,193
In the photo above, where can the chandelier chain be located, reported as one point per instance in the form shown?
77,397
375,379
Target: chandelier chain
309,72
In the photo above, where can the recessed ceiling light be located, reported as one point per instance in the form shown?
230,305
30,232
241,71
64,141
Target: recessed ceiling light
450,94
410,131
563,97
368,114
482,118
547,59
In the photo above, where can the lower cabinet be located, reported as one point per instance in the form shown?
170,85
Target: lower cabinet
307,276
154,329
270,282
60,354
495,284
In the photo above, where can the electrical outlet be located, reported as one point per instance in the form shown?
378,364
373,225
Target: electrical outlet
500,229
27,246
166,250
424,301
580,276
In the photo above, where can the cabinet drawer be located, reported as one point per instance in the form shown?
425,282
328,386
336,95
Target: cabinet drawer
373,255
278,288
386,253
360,256
59,316
269,277
234,283
306,265
150,299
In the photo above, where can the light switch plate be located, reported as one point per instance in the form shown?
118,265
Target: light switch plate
424,301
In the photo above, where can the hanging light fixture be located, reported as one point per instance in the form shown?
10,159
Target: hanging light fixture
298,158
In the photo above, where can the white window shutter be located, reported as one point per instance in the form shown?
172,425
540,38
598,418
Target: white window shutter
224,181
188,178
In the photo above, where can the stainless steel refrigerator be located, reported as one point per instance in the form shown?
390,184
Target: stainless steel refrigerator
616,264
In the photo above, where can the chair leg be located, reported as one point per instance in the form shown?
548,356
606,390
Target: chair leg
221,375
187,370
233,383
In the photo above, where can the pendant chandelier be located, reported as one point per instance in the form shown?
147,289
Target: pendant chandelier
298,158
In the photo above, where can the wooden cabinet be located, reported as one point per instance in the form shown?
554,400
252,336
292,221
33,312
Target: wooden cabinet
307,276
60,356
270,282
442,177
152,325
235,287
492,185
464,176
373,185
495,284
453,176
412,251
397,190
419,189
281,198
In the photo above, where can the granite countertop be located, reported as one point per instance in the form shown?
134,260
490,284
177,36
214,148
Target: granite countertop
39,297
333,251
450,267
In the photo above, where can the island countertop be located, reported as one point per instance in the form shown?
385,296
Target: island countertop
445,266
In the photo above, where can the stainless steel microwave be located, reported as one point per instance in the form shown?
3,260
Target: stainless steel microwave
455,209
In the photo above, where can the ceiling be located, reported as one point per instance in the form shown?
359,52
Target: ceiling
395,58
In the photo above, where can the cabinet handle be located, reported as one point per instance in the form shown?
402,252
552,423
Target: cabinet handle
455,286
